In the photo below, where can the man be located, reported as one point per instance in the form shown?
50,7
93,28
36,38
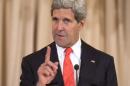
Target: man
54,64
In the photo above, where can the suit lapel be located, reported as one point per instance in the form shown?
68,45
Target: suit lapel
88,65
58,81
87,70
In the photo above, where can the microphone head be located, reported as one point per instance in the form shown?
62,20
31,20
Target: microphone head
76,66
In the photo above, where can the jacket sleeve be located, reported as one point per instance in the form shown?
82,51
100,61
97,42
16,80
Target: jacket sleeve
27,77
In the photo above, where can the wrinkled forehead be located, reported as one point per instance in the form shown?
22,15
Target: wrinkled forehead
63,14
63,11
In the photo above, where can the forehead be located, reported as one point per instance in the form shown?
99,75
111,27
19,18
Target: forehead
63,13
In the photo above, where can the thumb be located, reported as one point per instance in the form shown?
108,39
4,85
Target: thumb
56,63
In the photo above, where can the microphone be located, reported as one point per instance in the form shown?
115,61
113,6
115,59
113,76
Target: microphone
76,67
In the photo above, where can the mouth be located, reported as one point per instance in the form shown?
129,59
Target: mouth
60,35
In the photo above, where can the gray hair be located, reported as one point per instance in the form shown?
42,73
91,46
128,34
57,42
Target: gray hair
77,6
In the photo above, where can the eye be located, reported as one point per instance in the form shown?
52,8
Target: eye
66,21
54,19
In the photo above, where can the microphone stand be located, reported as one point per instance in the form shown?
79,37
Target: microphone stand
76,67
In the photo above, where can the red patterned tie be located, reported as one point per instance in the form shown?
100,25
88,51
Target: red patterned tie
68,71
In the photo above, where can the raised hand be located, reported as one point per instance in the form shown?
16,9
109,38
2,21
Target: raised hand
47,71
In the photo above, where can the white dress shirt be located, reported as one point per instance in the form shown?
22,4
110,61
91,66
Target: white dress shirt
74,56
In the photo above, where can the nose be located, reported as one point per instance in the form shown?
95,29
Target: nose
60,25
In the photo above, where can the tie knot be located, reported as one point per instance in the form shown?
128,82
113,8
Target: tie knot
68,51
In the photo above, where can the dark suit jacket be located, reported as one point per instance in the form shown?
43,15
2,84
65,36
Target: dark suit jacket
99,73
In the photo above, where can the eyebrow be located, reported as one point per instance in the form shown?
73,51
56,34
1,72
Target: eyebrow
54,18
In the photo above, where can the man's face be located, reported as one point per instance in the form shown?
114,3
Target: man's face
65,28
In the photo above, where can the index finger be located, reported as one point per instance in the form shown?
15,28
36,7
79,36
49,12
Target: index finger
48,52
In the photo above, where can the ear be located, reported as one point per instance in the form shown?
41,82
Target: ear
81,23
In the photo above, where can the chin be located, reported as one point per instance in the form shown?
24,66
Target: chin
61,44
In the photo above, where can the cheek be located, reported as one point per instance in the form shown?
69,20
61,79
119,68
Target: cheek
53,32
53,28
70,34
75,33
54,25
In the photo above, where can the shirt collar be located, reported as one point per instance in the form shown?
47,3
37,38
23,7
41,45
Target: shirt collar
76,48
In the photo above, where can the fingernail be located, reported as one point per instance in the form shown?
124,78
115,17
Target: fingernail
56,63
